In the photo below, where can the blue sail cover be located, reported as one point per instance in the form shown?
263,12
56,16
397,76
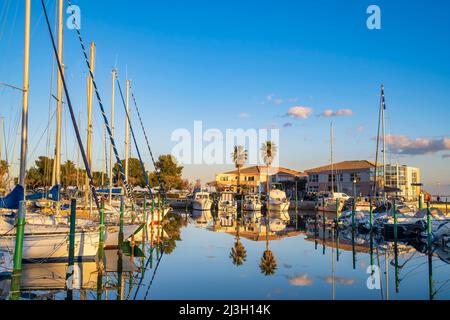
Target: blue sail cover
11,201
52,194
114,191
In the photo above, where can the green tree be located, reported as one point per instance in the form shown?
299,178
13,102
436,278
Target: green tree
68,174
135,174
3,173
170,173
41,174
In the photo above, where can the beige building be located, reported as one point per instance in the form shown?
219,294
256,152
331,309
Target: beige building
254,179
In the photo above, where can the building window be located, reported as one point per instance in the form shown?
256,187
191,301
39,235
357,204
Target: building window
314,178
354,177
329,178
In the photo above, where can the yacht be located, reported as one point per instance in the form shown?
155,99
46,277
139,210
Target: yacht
327,201
202,201
252,202
278,201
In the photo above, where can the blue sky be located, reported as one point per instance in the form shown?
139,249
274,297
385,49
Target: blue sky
217,60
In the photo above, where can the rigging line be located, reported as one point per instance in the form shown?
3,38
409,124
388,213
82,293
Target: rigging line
135,142
5,17
13,25
160,181
102,109
142,278
5,146
154,274
69,103
43,133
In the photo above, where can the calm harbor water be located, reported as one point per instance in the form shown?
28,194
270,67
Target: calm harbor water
202,257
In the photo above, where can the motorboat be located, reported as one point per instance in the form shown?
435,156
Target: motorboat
327,201
202,201
252,202
414,223
278,201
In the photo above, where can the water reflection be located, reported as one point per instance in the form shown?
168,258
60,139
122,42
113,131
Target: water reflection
248,255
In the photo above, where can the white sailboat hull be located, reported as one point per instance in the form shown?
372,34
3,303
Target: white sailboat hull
54,245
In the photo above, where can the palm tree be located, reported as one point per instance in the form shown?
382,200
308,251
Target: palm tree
268,153
240,156
238,253
268,263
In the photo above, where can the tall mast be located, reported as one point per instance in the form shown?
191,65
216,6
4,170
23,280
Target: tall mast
127,132
331,158
78,154
26,85
2,123
57,177
383,107
104,155
89,124
112,134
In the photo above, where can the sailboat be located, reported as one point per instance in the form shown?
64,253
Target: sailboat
328,201
40,241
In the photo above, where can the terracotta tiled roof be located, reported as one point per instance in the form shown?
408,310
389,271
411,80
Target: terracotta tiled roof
273,170
345,165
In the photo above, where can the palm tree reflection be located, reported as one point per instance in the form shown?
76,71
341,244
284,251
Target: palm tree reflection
238,253
268,263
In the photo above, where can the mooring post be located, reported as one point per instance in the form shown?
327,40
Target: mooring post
122,213
337,213
102,226
430,274
353,249
395,221
323,231
144,219
18,251
353,214
429,226
446,205
70,267
370,215
397,280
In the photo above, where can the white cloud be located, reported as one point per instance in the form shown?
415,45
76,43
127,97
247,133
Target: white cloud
341,112
419,146
300,112
244,115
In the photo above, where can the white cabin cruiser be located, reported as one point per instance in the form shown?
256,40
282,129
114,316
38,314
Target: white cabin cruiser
278,201
202,201
327,201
